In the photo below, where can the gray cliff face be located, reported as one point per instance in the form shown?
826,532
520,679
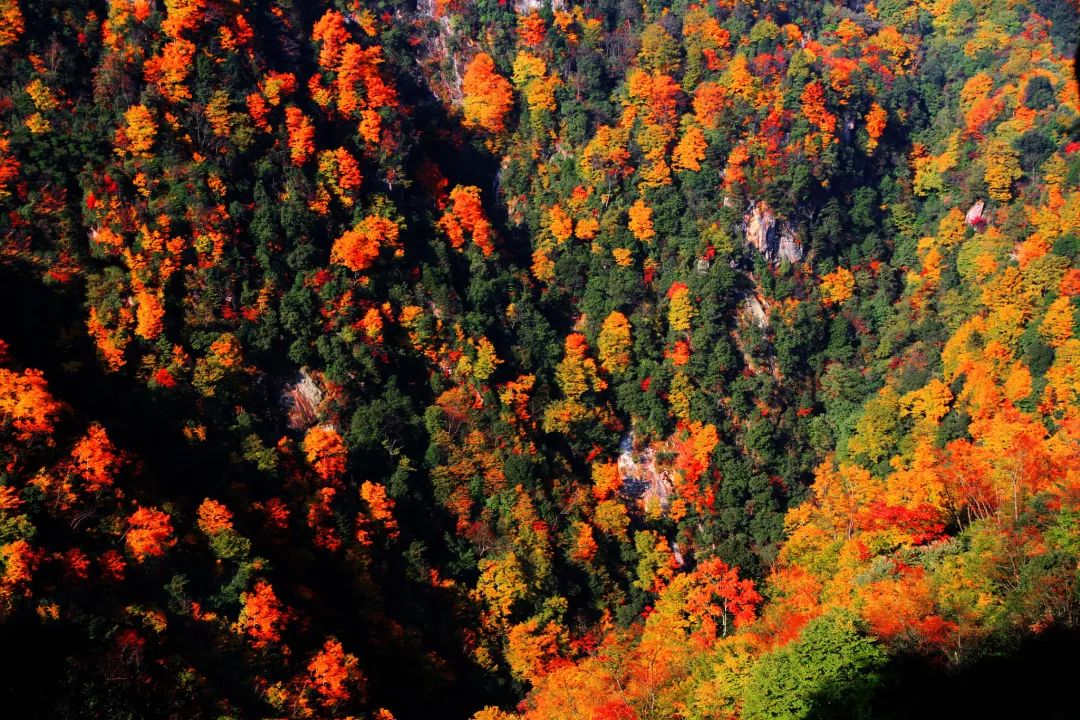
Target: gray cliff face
524,7
773,237
790,247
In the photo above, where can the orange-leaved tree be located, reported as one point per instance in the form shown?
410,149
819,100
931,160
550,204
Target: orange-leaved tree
357,249
488,95
262,617
466,215
149,534
325,451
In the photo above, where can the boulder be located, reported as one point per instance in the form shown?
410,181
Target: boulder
975,217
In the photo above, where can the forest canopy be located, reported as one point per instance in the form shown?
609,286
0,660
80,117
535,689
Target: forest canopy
495,359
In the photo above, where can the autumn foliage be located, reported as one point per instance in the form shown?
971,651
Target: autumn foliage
333,673
325,451
466,217
357,249
149,533
301,135
566,360
27,409
614,342
488,96
262,616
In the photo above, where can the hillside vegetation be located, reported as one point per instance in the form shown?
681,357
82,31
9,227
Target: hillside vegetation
623,360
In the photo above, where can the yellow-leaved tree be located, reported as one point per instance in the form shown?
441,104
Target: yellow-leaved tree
614,342
1002,169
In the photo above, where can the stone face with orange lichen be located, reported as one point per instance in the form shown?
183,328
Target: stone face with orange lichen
302,400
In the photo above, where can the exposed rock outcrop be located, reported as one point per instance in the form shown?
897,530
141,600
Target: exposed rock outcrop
774,238
790,247
641,478
975,217
755,309
524,7
301,400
